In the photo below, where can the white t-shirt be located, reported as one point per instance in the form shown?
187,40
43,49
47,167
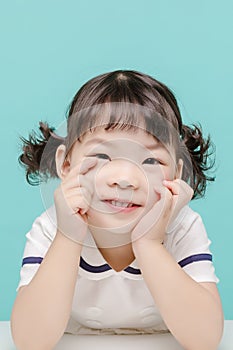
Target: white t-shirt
110,302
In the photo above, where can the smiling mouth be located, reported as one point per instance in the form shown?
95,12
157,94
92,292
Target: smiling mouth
121,204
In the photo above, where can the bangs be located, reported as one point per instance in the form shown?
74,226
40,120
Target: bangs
120,116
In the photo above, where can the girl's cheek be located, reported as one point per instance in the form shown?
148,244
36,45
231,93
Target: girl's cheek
156,176
98,175
154,180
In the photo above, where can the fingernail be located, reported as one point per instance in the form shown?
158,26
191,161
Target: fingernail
88,159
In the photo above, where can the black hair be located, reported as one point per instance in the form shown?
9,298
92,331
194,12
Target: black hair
121,90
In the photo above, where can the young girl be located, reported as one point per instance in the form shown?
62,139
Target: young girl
120,251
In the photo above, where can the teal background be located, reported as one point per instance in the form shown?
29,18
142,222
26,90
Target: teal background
50,48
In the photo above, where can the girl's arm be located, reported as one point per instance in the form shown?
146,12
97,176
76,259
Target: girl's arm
42,308
192,312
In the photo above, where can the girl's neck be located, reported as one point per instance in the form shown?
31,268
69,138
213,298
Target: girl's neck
118,257
116,249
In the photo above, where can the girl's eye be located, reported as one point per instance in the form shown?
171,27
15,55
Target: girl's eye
102,156
151,161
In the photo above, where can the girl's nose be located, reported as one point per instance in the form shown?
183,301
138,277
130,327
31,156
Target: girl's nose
124,184
125,175
121,183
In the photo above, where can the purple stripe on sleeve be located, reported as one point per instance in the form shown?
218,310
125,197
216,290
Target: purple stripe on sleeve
32,260
193,258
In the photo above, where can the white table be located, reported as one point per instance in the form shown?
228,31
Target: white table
113,342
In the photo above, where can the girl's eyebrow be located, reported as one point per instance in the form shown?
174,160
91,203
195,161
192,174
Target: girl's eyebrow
94,140
153,146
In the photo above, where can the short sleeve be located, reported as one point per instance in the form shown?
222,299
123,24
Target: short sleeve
189,244
38,241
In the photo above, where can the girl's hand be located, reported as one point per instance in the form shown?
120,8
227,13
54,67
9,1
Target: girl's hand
72,200
152,227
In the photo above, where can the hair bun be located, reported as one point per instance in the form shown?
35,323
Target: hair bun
39,161
200,150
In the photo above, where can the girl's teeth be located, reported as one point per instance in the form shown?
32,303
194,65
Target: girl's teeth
121,204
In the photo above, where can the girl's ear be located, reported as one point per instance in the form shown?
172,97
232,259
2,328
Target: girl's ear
179,169
62,163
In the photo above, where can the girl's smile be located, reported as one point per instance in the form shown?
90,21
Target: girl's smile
122,206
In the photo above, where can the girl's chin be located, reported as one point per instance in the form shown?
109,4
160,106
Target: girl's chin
113,229
112,233
110,238
110,229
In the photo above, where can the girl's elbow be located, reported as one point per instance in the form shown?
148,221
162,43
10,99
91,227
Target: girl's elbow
24,340
211,342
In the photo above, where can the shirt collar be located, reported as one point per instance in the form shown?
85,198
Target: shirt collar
93,262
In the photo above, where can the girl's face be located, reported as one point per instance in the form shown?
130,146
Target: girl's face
130,165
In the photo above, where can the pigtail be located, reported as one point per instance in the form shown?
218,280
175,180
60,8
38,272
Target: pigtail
37,159
199,150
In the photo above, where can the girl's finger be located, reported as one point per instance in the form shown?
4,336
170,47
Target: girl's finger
78,181
87,164
82,168
173,186
162,191
165,201
178,186
79,192
185,188
156,216
79,200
